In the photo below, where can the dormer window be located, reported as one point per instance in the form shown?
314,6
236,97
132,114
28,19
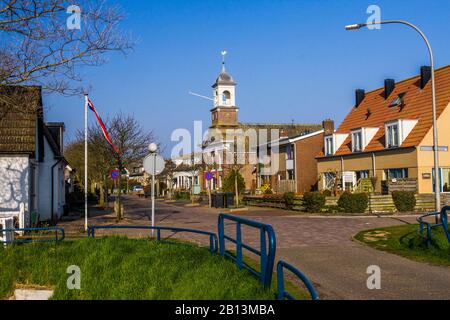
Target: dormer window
329,150
357,141
397,131
392,136
333,142
361,138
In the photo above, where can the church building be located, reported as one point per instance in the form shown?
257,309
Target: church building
224,149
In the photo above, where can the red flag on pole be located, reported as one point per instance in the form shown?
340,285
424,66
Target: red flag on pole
102,125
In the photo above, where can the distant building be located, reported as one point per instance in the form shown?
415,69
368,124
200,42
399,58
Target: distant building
224,118
296,164
32,163
387,138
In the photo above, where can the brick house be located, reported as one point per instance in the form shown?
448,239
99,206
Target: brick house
387,137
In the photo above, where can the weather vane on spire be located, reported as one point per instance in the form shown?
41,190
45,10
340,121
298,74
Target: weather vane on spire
223,53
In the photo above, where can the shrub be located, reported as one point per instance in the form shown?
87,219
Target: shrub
265,189
182,195
229,182
289,200
404,201
327,193
353,202
313,201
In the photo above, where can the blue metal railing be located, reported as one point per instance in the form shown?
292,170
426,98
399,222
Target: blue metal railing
443,217
213,242
282,293
266,251
58,236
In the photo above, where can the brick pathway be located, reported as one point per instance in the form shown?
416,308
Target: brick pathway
319,246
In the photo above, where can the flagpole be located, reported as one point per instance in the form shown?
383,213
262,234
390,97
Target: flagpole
86,162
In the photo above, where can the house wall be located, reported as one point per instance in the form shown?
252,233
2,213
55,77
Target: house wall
14,184
306,172
45,189
426,158
389,159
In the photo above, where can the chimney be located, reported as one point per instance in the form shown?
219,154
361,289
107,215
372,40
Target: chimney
328,126
425,76
389,86
360,95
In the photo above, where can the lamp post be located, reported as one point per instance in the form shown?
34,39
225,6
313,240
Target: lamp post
152,148
437,178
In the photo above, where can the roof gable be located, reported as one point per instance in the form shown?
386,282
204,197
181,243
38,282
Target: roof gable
375,111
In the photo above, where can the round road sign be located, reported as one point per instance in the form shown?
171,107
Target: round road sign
154,164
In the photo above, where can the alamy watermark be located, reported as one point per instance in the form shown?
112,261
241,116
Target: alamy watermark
374,280
73,22
74,280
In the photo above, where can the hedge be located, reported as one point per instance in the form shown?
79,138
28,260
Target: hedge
353,202
313,201
405,201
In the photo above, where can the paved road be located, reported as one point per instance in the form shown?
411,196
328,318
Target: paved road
321,247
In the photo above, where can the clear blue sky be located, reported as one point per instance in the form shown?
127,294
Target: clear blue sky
291,59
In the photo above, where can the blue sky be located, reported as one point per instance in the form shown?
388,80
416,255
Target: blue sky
291,59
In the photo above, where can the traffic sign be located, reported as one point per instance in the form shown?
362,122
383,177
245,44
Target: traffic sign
154,164
115,174
209,175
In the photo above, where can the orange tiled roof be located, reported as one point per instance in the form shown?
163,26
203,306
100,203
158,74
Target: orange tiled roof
417,106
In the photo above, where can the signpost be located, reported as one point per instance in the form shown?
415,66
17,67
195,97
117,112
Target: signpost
115,174
208,177
153,164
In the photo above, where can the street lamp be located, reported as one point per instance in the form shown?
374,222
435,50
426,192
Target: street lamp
437,183
152,148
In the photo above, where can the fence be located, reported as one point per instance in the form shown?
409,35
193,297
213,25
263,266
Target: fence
266,251
284,186
213,242
59,235
282,293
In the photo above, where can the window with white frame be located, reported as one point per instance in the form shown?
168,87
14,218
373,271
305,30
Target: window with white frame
329,150
392,135
357,141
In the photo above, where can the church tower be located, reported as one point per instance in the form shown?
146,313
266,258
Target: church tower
225,111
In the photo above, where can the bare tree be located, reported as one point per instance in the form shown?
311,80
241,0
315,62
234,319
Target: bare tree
37,47
132,143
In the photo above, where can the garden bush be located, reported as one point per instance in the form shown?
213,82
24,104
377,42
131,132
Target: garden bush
353,202
327,193
229,183
405,201
182,195
313,201
289,200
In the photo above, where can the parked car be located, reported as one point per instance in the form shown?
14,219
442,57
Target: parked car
137,189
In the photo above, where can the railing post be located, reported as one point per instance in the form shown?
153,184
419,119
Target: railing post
238,245
221,236
280,281
158,235
263,249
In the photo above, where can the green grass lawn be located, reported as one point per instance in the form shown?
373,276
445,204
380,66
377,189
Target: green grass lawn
404,240
122,268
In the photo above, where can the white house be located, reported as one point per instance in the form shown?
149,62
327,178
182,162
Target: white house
31,159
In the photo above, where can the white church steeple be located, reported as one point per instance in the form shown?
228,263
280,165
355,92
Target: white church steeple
224,88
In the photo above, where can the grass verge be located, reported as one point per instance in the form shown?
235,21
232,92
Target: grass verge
122,268
404,241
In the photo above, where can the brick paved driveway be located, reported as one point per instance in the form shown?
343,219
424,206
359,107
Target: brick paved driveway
319,246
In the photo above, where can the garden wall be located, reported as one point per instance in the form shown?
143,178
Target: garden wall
377,203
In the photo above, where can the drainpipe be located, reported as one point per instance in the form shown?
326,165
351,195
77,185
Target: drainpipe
342,173
53,187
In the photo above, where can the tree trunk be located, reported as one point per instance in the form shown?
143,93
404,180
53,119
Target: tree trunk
101,200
